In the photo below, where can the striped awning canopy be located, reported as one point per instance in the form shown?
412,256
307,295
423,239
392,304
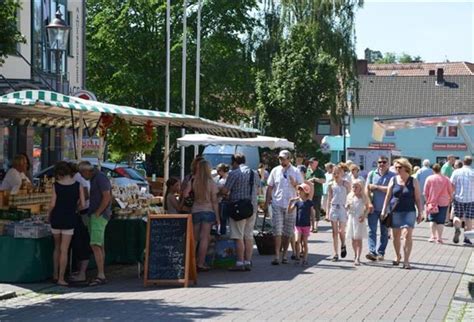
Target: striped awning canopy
45,108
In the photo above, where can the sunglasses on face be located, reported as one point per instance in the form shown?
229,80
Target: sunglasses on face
382,162
398,167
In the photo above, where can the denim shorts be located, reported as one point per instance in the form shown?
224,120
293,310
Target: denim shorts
208,217
439,217
403,219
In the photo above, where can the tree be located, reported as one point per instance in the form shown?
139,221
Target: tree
127,56
10,36
393,58
302,86
312,73
372,55
388,58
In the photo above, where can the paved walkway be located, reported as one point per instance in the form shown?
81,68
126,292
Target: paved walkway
324,291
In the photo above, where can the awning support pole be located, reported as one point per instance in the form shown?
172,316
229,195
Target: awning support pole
74,134
79,136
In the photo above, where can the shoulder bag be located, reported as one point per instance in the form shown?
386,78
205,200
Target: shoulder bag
387,219
243,208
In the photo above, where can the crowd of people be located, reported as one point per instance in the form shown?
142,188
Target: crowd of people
386,202
390,199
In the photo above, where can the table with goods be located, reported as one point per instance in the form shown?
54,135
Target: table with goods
26,243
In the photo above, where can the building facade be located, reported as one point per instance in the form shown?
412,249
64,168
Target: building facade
412,96
33,66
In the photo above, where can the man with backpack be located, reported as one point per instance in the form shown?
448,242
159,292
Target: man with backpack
376,189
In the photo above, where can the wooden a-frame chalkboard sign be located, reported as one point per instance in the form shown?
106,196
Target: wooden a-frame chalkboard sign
170,254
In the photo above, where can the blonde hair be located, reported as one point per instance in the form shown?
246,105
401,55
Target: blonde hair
404,163
354,166
351,196
202,181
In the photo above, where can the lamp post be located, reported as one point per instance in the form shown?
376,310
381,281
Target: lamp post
345,124
58,36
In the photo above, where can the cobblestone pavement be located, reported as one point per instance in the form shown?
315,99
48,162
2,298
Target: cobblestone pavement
323,291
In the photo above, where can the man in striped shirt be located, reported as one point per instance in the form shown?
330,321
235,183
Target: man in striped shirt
463,182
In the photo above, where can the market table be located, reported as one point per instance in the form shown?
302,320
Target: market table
125,241
25,260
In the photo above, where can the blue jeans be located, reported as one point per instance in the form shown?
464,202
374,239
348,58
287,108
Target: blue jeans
374,219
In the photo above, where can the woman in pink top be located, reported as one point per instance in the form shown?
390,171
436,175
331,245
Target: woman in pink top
438,193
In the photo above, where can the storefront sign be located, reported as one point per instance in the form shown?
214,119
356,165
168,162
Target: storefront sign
85,95
449,146
382,145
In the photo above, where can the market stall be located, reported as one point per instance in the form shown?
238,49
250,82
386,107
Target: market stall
258,141
125,233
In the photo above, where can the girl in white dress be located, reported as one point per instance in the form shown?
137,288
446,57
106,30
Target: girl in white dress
357,207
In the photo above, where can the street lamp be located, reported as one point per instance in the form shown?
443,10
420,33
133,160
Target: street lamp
58,36
345,123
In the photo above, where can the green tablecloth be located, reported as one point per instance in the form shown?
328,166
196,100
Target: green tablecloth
24,260
125,241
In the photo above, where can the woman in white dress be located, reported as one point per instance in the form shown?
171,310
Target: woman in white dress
357,207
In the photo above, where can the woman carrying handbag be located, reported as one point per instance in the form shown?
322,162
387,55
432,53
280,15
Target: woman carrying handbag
403,199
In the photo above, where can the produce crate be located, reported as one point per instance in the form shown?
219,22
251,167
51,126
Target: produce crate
31,231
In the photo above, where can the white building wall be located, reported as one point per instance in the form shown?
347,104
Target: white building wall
14,66
75,65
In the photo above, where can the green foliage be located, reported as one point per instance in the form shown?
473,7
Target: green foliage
313,70
126,61
10,36
126,141
393,58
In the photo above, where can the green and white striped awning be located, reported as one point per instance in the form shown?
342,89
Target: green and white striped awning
45,108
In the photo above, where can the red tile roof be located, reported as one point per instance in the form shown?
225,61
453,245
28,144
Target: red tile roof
421,69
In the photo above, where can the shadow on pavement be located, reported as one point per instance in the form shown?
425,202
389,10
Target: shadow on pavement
57,309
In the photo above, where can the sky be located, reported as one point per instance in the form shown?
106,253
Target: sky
435,30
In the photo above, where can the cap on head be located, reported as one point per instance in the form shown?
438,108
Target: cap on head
305,187
284,154
313,159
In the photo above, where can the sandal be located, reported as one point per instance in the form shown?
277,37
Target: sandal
203,269
343,251
406,266
395,263
335,258
62,284
284,261
275,262
98,281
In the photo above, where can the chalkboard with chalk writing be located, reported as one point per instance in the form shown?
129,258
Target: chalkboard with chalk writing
169,255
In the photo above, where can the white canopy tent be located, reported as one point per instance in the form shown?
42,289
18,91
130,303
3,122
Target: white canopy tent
259,141
391,124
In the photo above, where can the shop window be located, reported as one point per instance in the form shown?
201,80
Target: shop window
323,127
447,131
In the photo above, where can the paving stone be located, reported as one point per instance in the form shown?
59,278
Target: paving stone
325,291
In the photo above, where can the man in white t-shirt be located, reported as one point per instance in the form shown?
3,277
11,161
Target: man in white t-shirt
282,186
15,176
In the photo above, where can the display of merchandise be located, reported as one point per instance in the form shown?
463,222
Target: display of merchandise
132,202
15,214
35,227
